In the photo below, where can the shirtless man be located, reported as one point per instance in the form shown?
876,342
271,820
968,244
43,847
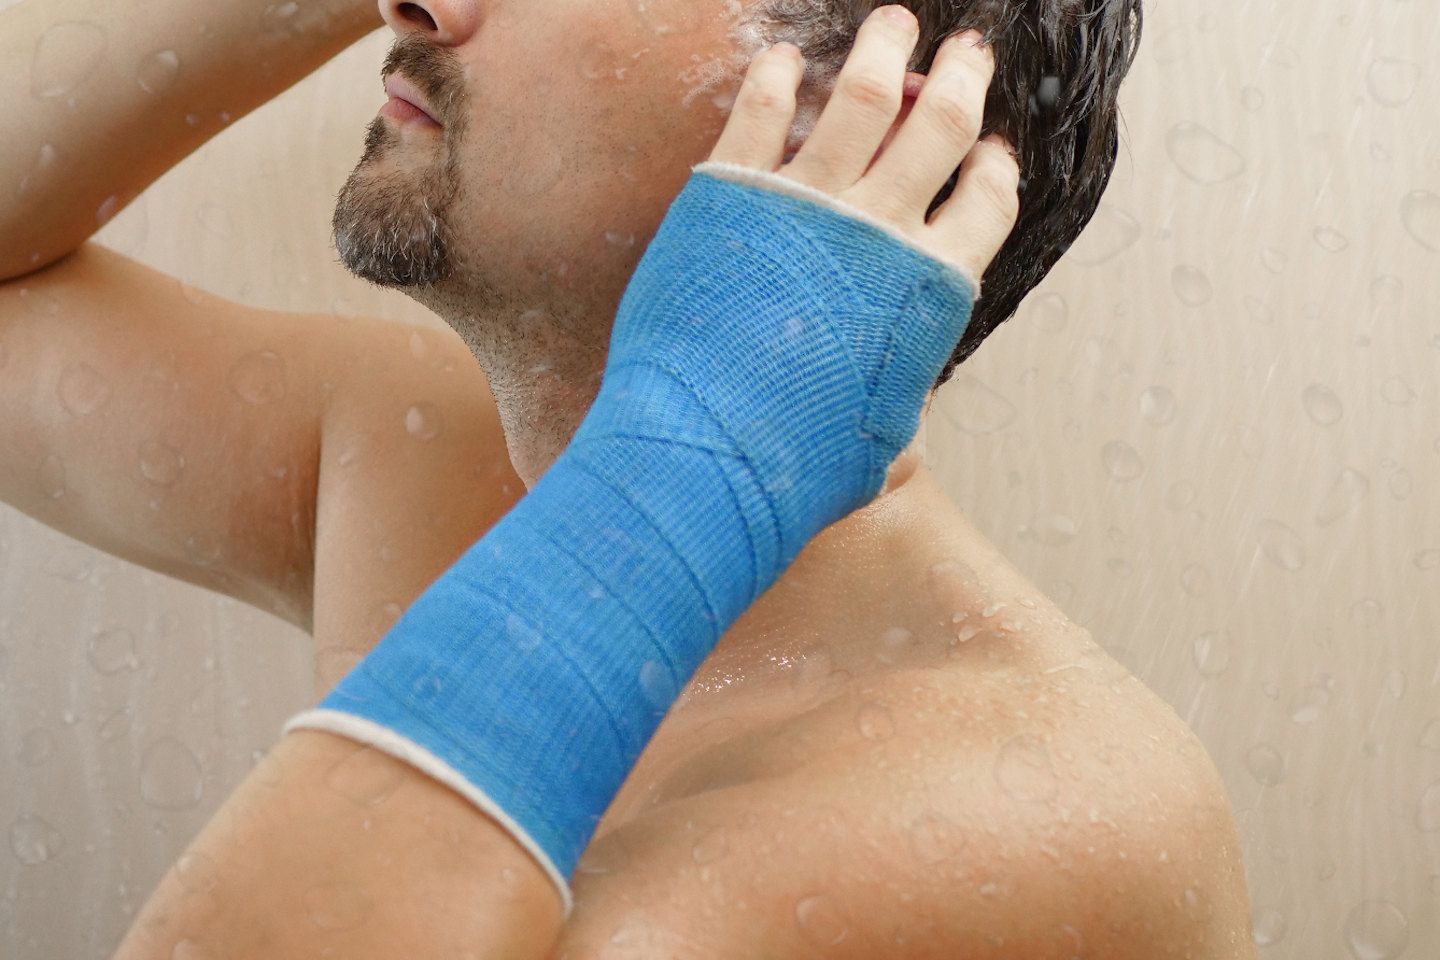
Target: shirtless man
933,763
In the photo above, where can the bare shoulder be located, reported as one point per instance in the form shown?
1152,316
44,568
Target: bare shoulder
1041,803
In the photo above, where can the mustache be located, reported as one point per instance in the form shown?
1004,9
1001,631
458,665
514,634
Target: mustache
436,71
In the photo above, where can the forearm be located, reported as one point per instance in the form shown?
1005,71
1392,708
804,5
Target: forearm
99,98
331,847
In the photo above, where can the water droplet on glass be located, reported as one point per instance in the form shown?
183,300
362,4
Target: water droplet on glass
1344,497
33,840
66,54
198,948
423,421
1420,213
1330,240
1268,927
75,563
1191,285
1054,529
1322,406
215,220
934,839
1252,99
973,407
1428,559
710,847
1311,700
51,477
170,776
875,721
1049,312
1158,405
366,777
83,390
657,686
1110,233
1181,495
822,922
1122,461
1273,260
117,725
1367,613
1392,82
1195,580
1397,391
1401,485
338,906
1266,764
1024,771
1376,930
1281,545
1212,653
1202,156
113,652
1430,736
258,377
161,463
158,71
36,746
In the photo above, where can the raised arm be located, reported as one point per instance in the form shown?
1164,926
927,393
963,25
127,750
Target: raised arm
98,99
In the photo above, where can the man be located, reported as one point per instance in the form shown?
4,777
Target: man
935,762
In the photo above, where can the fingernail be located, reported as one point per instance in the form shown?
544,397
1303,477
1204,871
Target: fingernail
900,15
972,38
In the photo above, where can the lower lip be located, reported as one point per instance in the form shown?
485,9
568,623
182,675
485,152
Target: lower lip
407,112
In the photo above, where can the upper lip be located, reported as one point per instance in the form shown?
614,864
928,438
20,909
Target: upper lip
402,89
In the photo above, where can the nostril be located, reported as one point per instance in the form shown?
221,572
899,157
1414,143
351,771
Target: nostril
418,15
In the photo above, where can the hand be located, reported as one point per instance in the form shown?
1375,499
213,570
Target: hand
897,186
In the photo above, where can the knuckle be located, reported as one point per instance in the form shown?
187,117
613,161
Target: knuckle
952,111
871,93
998,184
761,98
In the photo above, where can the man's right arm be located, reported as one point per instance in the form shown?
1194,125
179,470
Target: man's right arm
99,98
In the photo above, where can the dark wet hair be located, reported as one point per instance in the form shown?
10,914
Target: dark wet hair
1058,68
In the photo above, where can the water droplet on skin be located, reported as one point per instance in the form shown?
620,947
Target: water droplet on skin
1312,699
1158,406
338,906
1268,927
1420,213
195,948
197,873
51,477
83,390
1392,82
1322,406
161,463
1024,771
1110,233
1430,736
821,920
1281,545
117,725
1397,391
113,652
1050,312
36,746
1266,764
366,777
1376,930
258,378
657,686
1122,461
157,72
423,422
1252,99
1428,560
1202,156
875,721
66,54
1192,286
974,408
170,776
1330,240
710,847
933,839
33,840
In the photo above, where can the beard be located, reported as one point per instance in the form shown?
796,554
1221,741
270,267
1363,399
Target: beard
393,228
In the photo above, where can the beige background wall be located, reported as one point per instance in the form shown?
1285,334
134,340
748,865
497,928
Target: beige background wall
1212,435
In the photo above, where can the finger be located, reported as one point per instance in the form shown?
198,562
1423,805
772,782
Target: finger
973,224
754,135
866,99
939,132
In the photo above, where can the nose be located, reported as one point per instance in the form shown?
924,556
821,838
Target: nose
446,23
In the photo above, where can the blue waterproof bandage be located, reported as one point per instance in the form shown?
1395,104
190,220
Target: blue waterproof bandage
768,363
